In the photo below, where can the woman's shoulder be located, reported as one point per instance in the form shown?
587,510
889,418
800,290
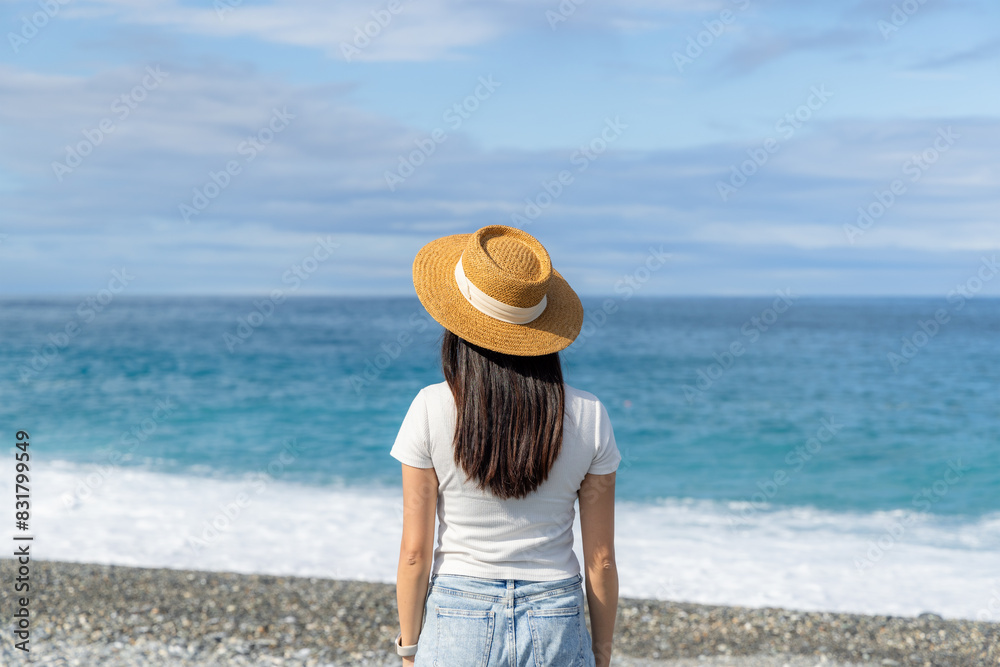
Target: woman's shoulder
437,392
580,394
582,402
437,387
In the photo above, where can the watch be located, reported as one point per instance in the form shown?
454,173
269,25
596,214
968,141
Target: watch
405,651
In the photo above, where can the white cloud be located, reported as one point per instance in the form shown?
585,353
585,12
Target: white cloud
324,174
420,30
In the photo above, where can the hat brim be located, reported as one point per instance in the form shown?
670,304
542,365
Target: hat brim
434,280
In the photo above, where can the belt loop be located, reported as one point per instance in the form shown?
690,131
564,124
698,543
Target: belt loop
510,584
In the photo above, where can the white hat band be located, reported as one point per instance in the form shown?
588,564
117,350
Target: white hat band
487,305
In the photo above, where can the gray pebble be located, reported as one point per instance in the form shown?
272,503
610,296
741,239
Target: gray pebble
115,616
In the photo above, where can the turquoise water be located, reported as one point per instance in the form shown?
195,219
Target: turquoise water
178,385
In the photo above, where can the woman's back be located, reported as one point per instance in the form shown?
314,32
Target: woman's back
481,535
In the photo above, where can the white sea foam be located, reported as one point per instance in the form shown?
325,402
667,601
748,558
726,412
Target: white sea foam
887,562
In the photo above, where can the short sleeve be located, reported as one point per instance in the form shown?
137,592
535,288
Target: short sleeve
412,445
606,457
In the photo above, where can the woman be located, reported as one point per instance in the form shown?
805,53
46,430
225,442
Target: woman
500,451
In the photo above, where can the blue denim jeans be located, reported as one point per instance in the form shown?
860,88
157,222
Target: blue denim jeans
475,622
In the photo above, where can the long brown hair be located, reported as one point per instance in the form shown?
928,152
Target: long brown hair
509,425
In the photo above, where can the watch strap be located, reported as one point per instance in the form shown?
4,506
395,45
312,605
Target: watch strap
405,651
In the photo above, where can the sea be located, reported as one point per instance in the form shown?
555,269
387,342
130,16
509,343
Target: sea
833,454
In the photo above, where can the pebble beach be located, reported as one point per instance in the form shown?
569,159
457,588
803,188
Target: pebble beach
110,615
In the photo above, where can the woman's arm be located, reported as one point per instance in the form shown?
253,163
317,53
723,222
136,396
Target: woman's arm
416,550
597,525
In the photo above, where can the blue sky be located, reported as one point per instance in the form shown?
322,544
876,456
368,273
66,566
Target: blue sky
740,136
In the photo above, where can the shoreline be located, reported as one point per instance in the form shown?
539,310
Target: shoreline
118,615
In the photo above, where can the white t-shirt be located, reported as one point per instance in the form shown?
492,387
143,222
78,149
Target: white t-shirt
480,535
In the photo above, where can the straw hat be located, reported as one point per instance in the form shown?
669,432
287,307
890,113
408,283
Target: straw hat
496,288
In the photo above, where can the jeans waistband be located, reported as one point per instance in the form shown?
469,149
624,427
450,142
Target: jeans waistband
499,590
